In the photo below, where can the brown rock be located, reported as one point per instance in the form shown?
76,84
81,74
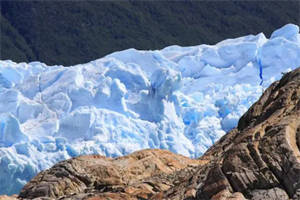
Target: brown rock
260,159
138,175
5,197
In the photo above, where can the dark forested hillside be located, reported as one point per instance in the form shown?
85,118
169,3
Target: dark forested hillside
71,32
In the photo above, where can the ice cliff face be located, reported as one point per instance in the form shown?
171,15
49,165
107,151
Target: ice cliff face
178,98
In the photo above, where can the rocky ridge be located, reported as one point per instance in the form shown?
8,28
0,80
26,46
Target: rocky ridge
260,159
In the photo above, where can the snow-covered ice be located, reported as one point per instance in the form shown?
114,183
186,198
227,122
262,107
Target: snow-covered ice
178,98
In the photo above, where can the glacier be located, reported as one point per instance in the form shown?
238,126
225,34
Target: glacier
177,98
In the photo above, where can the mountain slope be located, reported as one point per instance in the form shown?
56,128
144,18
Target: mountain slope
13,44
69,33
260,159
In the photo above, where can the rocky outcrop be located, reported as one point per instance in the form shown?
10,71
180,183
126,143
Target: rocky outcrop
137,176
260,159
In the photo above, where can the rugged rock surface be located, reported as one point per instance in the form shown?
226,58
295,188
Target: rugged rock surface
136,176
260,159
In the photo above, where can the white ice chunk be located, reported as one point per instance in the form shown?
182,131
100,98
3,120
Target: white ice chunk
10,132
278,55
154,105
60,103
9,100
28,110
288,31
76,125
131,75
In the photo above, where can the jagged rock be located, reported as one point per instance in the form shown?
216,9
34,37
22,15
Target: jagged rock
260,159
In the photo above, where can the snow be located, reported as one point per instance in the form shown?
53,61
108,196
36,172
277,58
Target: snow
178,98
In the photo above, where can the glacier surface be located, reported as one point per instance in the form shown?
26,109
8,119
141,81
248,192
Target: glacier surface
178,98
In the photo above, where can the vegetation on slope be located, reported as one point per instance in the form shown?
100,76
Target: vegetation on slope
71,32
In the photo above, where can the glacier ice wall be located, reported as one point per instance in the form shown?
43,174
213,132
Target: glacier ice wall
178,98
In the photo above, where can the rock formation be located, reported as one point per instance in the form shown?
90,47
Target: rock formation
260,159
136,176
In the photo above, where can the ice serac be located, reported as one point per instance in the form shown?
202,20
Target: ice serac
10,131
153,105
257,160
289,32
179,98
